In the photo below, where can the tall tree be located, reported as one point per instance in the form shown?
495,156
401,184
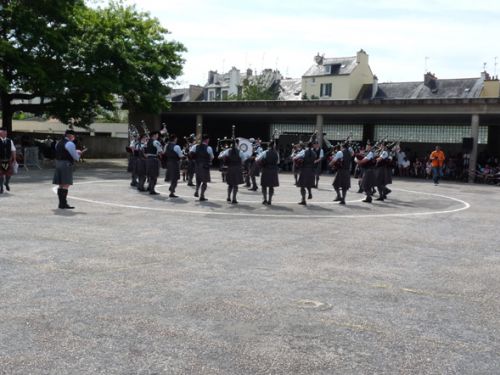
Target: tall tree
84,60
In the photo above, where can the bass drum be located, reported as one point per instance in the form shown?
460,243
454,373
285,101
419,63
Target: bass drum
245,146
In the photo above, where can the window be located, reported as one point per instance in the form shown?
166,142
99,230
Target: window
224,94
325,90
211,95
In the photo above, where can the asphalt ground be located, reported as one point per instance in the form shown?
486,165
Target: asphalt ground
129,283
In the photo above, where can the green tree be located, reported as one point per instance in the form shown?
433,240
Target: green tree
77,60
256,89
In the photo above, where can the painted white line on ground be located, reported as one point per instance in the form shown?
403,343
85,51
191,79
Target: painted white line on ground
465,206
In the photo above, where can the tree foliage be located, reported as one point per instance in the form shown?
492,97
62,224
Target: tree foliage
76,60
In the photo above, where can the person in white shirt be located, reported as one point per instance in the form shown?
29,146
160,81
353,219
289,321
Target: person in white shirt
203,156
7,159
233,158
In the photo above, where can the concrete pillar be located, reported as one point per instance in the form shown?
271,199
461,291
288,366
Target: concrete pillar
474,133
319,129
199,127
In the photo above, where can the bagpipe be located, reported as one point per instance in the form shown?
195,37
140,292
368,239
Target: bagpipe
273,143
133,134
336,164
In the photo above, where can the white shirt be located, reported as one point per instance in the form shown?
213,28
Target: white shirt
369,156
71,148
384,154
338,155
209,150
12,147
321,153
177,150
225,153
263,155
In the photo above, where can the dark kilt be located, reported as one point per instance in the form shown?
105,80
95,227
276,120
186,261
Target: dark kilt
6,169
307,178
132,160
269,177
202,173
318,168
173,170
383,175
64,173
342,179
234,175
140,167
152,167
254,169
191,167
369,179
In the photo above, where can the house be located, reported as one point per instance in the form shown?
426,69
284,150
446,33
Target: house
433,88
339,78
190,94
223,86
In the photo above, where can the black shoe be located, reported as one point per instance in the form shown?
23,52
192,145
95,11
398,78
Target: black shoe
190,184
67,207
202,199
254,188
141,189
172,195
338,199
228,199
133,184
154,193
367,200
7,187
196,194
342,202
387,192
264,202
380,199
1,191
310,196
303,203
234,201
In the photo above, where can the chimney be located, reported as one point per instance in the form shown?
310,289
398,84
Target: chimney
374,87
362,57
249,72
319,59
430,80
211,76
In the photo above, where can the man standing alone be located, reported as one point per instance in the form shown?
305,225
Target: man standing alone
7,159
66,154
437,159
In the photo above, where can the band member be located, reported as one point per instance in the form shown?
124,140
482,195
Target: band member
153,151
269,161
140,164
254,169
233,158
173,154
319,158
191,164
382,172
296,165
342,182
66,155
369,180
203,155
306,178
132,158
7,159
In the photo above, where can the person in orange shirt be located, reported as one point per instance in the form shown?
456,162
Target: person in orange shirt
437,159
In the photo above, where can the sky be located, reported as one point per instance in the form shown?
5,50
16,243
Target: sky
403,38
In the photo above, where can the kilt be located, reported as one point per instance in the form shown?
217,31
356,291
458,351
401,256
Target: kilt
140,167
191,167
173,170
234,175
383,175
132,160
6,168
64,173
152,167
307,177
202,173
318,168
269,177
342,179
369,179
254,169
